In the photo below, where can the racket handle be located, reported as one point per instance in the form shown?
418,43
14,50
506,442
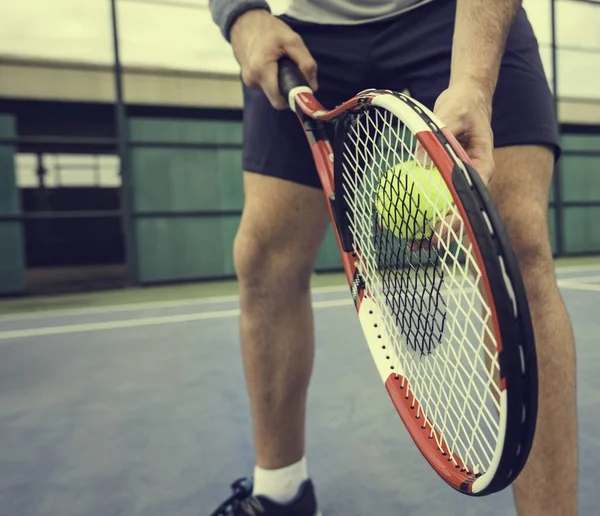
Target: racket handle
290,76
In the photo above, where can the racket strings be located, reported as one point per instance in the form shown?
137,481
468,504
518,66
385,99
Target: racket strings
414,310
433,310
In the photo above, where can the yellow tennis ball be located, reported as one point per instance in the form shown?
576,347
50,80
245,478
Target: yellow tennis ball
411,199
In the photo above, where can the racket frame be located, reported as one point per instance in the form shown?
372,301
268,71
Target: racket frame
510,312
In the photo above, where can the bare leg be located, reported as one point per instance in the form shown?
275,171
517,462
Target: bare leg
275,249
520,187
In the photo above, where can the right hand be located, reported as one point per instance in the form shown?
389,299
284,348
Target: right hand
258,40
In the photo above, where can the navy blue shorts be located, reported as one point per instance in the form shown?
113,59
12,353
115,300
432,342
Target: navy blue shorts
409,52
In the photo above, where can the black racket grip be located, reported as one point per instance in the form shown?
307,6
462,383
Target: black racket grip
290,77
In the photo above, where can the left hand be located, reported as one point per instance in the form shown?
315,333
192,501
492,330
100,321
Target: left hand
466,110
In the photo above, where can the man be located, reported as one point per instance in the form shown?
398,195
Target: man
476,62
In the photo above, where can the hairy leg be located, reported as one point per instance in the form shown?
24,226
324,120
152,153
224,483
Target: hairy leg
280,234
520,187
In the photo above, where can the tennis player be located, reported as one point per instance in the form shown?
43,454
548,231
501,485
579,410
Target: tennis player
476,63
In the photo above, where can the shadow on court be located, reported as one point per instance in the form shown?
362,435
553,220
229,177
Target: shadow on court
143,412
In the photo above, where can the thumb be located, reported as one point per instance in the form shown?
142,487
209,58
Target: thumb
482,160
479,165
270,86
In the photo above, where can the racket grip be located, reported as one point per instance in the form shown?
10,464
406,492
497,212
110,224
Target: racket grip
290,76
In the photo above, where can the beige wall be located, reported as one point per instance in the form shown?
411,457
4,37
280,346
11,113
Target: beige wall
53,80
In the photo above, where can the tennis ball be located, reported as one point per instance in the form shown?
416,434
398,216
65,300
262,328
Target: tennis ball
411,199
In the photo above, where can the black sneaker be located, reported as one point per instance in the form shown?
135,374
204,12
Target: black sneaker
242,503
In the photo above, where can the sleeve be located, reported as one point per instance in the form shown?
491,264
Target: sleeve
225,12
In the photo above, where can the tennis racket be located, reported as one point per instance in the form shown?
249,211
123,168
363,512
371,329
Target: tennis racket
433,277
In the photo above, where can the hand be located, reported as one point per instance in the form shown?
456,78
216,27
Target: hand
466,110
258,40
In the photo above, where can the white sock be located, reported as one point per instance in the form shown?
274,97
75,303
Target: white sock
280,485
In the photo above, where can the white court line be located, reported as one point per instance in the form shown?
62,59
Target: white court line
574,285
578,268
584,279
169,319
146,321
115,308
130,307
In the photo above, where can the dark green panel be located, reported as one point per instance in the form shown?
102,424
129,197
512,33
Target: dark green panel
12,257
229,170
7,125
13,278
581,178
229,227
175,179
329,255
582,231
580,142
185,247
552,229
188,131
9,193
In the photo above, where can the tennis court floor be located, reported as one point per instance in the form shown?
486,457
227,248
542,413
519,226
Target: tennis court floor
140,410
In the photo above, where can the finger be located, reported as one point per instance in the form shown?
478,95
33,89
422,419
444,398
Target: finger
484,165
297,51
270,85
417,246
422,157
253,70
441,234
446,230
478,151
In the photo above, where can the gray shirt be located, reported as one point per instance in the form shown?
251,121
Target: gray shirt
345,12
340,12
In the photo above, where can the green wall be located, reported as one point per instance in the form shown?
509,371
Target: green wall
12,259
187,201
580,182
188,197
329,256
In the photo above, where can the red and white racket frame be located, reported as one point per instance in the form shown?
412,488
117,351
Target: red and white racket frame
501,282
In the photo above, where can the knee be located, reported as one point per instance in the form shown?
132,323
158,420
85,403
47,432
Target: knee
520,188
263,264
530,238
533,252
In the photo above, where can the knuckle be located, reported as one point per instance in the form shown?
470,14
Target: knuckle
310,65
254,66
247,78
252,72
293,38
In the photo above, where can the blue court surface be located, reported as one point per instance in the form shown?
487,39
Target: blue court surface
142,411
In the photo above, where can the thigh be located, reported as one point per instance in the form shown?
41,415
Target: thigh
416,55
281,230
274,143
